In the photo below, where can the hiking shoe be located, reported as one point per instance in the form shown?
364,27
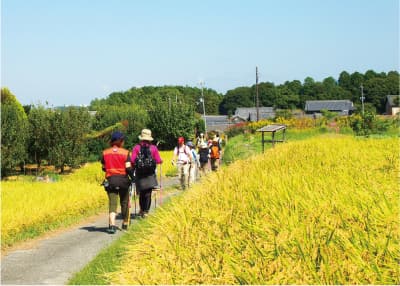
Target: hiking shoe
112,229
124,226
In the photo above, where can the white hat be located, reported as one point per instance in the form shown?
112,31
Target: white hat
146,135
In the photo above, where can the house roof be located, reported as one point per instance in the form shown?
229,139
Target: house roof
216,118
331,105
246,112
238,117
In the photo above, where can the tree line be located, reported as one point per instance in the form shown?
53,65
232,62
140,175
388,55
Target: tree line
294,94
71,135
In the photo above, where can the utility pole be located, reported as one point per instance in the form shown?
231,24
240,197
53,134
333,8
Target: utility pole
362,99
257,102
204,109
362,106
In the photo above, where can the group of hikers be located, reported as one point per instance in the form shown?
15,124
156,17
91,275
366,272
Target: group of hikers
122,167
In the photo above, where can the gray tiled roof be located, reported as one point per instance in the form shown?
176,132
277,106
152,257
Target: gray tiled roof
246,112
216,118
331,105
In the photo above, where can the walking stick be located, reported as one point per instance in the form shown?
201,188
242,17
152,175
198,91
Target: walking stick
134,198
129,204
160,185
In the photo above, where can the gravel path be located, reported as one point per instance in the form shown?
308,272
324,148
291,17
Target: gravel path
52,260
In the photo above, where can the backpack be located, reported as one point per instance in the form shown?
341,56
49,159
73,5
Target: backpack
214,152
145,164
203,153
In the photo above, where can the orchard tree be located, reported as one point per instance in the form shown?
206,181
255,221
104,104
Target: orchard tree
134,117
40,133
168,122
68,139
14,124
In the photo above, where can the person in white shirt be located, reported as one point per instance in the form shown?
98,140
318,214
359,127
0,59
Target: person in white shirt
194,165
182,157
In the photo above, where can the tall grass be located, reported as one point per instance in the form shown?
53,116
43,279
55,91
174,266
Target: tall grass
167,168
319,211
29,209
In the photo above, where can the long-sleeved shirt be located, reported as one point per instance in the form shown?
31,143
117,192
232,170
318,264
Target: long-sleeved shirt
153,149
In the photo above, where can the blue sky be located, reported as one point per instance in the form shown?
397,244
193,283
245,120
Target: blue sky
72,51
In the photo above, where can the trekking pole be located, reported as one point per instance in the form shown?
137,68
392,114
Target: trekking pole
160,198
155,191
134,198
129,204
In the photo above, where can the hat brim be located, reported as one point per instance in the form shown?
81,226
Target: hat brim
146,138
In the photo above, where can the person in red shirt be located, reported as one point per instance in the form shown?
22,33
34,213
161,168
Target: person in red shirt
119,173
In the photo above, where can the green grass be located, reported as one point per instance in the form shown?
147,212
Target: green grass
108,260
246,145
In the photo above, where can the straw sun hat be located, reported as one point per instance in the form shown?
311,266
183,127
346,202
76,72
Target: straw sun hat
146,135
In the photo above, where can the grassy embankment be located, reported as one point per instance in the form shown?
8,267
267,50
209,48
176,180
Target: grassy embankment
318,211
31,208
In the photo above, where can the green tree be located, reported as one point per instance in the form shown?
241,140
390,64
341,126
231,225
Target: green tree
14,127
68,139
39,133
375,92
393,82
345,80
234,98
133,116
168,122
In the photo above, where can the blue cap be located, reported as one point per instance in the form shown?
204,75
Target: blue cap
117,136
190,144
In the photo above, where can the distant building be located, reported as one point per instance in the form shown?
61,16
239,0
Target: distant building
250,113
342,107
392,104
217,122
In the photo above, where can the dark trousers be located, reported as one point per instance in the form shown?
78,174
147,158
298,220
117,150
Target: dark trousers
123,195
145,200
118,187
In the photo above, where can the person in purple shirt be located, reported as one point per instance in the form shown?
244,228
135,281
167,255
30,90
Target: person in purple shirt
145,174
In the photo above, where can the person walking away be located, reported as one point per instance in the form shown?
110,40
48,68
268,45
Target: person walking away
199,140
182,157
194,164
204,156
219,140
145,156
118,170
214,154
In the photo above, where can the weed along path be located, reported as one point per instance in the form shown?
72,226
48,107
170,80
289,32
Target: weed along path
54,258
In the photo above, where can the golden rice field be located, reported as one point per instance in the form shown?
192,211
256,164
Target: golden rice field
167,168
318,211
31,208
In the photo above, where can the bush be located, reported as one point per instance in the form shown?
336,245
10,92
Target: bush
236,129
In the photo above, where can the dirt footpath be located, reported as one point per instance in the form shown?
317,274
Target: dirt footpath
54,258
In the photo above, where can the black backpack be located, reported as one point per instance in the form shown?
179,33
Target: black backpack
203,153
145,165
